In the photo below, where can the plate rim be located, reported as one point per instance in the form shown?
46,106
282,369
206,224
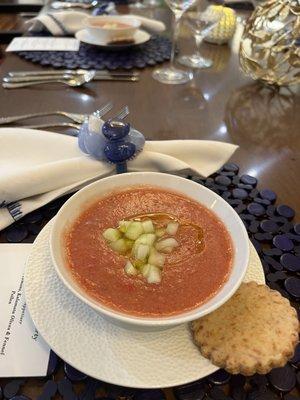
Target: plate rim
212,368
111,47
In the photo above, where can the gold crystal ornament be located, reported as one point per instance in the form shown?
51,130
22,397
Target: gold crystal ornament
270,46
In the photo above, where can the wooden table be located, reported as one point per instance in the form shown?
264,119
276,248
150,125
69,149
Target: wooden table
220,104
13,16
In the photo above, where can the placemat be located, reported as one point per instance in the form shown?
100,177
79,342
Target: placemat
277,241
156,50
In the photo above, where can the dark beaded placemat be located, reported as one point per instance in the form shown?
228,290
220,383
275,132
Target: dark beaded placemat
156,50
277,241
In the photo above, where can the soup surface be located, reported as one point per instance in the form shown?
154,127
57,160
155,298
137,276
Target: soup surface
111,25
192,273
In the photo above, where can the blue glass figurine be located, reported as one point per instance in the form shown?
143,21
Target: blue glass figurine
113,141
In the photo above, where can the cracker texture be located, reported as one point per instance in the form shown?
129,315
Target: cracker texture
254,331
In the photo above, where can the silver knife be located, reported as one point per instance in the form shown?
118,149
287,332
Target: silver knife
10,79
10,83
69,72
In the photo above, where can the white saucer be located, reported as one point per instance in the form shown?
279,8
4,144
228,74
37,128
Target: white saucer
139,37
101,350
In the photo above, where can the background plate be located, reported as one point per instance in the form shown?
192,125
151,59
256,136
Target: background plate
140,37
81,337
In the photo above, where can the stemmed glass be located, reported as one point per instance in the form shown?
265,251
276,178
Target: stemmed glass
201,22
171,74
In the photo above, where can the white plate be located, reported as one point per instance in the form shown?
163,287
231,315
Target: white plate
139,37
104,351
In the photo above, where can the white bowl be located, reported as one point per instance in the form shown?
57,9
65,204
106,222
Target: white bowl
111,34
82,199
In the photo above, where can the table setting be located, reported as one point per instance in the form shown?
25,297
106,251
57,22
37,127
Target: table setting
143,48
149,243
97,31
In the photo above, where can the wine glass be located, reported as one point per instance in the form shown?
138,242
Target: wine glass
201,22
171,74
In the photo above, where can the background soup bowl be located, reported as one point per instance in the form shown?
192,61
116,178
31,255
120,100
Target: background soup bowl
111,34
87,196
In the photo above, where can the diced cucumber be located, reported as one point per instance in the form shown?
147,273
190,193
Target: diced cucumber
129,243
111,234
119,246
123,226
141,251
134,230
154,275
164,243
172,228
156,258
148,226
167,250
146,270
129,269
146,238
138,264
160,232
148,246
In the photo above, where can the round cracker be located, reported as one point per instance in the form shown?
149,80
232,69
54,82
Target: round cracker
253,332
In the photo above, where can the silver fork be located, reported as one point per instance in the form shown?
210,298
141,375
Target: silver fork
122,114
103,110
75,117
54,125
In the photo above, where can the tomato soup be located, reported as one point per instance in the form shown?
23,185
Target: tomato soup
194,270
110,25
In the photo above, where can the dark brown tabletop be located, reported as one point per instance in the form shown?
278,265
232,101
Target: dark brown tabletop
220,104
11,25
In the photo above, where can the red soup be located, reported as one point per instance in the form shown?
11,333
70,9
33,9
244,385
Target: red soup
149,252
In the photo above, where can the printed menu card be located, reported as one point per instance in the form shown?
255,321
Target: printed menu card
23,352
43,44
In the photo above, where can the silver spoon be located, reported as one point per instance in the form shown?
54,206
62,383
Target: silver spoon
57,5
73,81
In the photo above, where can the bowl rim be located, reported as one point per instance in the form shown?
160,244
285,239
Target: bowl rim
135,22
163,321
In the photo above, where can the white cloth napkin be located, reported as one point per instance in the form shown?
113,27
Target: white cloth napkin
68,22
39,166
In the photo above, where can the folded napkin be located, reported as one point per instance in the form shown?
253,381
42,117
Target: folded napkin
68,22
38,166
